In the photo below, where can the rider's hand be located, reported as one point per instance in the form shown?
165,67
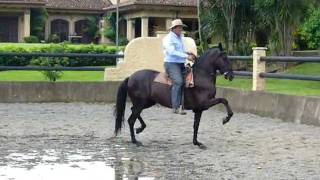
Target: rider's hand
191,56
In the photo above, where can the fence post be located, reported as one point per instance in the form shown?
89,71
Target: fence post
258,83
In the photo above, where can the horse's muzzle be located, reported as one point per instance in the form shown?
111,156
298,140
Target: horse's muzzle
228,75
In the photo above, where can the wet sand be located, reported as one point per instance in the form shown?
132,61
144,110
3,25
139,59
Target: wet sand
45,140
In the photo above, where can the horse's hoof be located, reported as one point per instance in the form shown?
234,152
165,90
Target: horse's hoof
226,120
200,145
139,130
138,143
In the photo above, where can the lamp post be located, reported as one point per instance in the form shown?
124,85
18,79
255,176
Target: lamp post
117,24
199,21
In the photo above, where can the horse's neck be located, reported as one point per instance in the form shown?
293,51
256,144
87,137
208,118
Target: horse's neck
203,76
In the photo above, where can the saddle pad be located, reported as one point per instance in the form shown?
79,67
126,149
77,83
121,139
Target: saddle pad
189,80
163,79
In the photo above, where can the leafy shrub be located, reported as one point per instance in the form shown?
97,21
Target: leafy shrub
31,39
58,48
14,61
54,38
50,62
308,36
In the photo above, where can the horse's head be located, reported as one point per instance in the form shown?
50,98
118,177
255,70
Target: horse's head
217,60
223,64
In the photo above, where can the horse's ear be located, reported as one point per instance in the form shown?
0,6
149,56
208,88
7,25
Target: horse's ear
220,46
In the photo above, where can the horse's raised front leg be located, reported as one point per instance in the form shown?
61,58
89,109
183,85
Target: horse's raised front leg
197,118
215,101
143,125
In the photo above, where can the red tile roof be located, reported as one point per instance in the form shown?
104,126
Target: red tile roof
78,4
22,1
168,2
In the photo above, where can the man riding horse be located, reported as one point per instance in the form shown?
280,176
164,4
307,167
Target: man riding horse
144,91
174,62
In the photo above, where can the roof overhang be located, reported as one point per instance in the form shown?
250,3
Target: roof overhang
127,7
22,3
75,10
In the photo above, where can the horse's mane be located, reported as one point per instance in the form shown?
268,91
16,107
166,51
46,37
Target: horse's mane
205,55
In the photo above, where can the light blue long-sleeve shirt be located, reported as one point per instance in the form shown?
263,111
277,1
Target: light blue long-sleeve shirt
173,49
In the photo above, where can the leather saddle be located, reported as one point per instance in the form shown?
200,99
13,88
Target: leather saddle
163,78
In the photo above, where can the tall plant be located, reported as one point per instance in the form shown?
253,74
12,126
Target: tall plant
38,18
110,31
283,16
92,29
310,30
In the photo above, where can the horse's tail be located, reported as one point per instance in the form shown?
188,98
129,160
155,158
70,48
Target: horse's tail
120,105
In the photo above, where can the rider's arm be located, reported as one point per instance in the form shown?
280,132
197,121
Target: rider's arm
170,49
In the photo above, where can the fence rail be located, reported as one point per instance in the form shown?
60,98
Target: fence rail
278,59
290,59
79,55
240,58
290,76
259,60
42,68
243,73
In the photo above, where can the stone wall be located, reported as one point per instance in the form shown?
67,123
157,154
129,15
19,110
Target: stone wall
296,109
143,53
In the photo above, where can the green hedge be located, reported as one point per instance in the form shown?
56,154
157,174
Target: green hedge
57,48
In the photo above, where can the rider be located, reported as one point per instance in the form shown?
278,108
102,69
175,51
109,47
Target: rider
175,57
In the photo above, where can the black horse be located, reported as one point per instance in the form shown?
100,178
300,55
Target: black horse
144,92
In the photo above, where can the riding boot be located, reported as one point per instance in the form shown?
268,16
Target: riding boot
181,111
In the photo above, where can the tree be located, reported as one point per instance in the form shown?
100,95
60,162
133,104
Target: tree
110,32
93,29
228,9
283,17
310,30
38,20
213,26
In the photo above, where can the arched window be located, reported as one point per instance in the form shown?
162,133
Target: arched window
61,28
81,27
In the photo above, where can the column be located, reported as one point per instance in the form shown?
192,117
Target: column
102,27
71,28
144,26
130,30
168,23
26,23
47,29
258,83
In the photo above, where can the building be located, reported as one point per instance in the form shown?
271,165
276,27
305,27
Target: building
146,17
68,18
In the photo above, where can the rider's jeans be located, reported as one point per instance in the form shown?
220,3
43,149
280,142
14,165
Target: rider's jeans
175,72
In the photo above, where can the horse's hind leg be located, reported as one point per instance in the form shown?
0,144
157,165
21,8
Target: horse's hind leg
143,125
132,119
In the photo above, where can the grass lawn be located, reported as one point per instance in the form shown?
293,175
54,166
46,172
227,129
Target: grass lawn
292,87
38,76
31,45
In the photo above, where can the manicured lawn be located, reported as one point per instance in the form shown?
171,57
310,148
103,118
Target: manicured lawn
32,45
292,87
38,76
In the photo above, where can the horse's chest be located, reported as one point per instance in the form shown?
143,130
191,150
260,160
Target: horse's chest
198,96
